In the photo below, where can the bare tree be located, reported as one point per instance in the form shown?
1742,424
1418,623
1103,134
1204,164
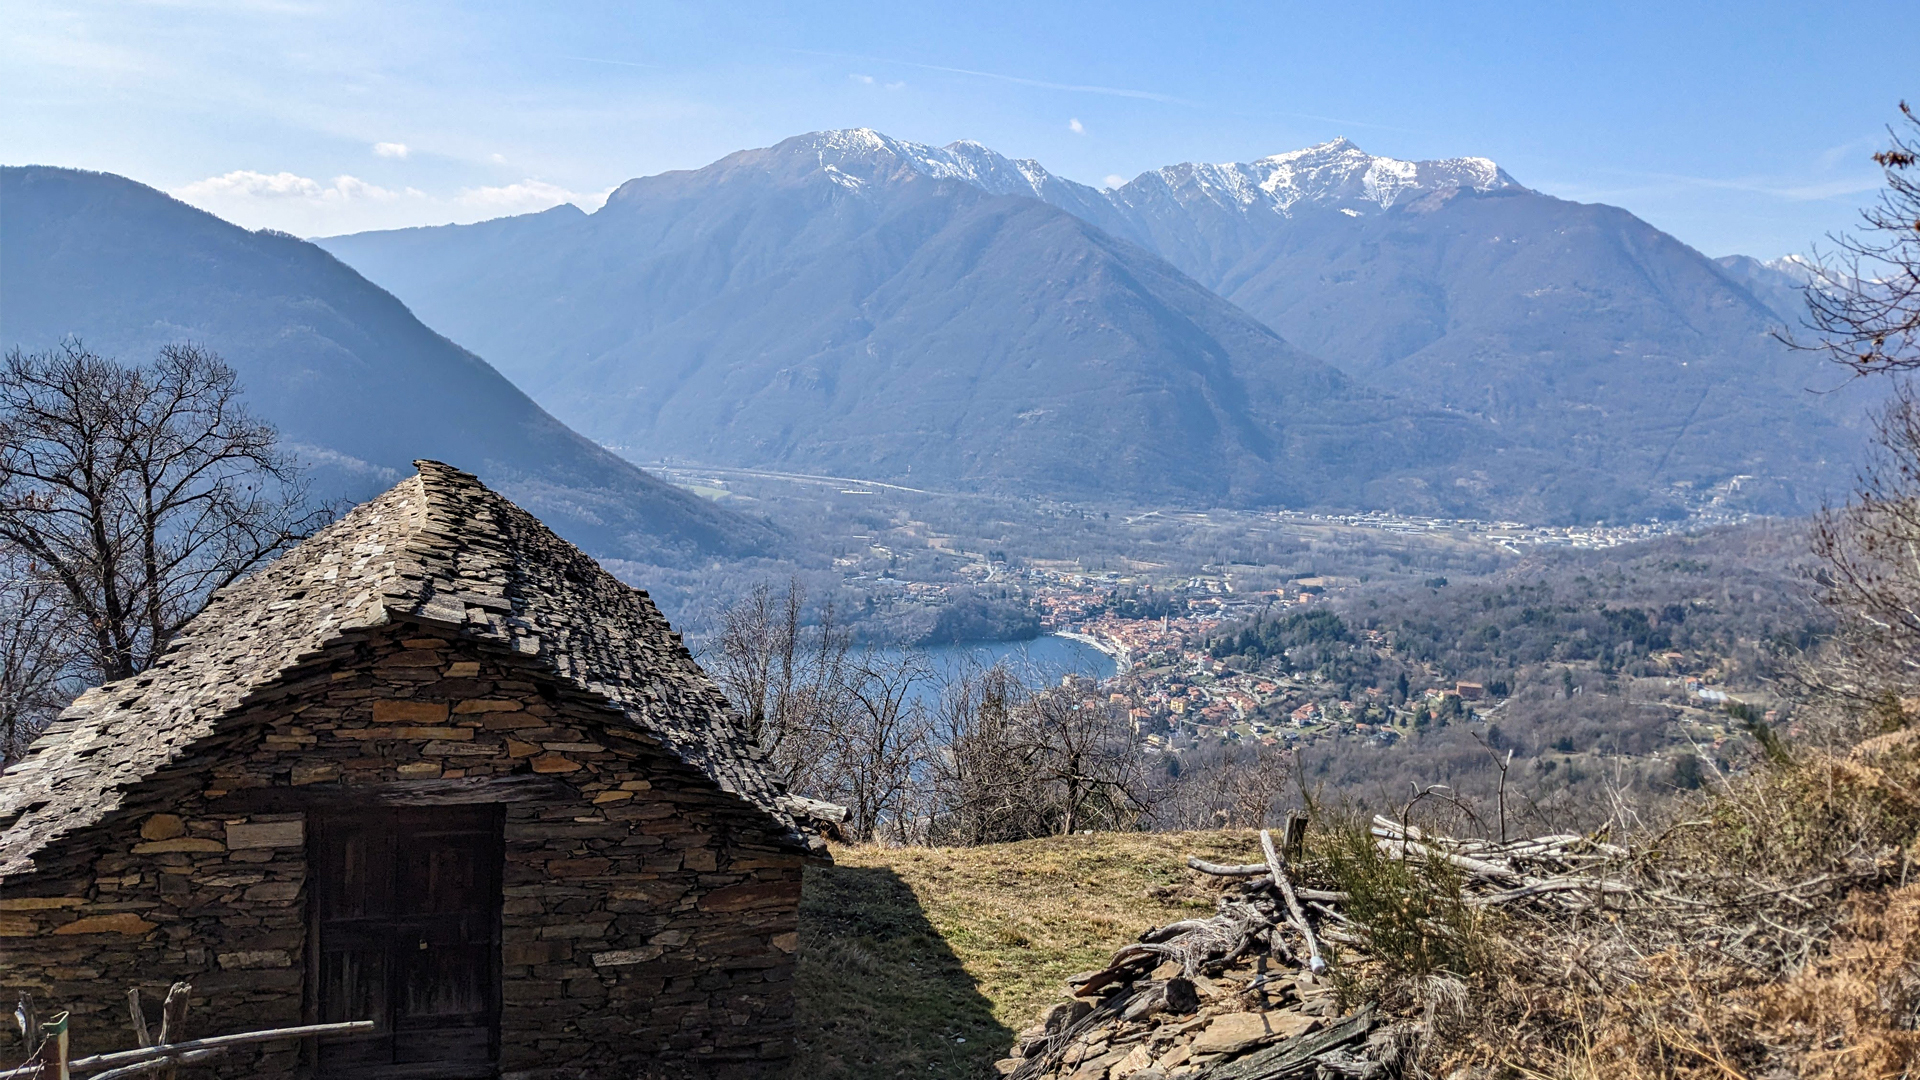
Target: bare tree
785,677
1864,301
983,786
1018,762
875,748
1864,305
1239,785
37,671
1088,756
139,490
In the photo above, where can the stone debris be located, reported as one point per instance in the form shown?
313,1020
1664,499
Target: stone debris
1252,1021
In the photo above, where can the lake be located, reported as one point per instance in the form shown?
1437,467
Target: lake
1043,659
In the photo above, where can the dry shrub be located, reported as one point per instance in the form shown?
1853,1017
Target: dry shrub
1419,929
1772,933
1853,1011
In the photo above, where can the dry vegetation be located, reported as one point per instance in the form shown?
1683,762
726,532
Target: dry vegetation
1764,930
903,950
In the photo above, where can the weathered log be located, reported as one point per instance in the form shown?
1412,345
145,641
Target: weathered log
1400,849
1315,962
138,1016
1226,869
146,1067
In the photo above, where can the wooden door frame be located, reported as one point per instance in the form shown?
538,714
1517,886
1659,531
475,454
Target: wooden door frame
319,818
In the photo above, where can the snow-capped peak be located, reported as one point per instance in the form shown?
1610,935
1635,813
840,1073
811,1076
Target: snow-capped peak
964,160
1335,175
1338,174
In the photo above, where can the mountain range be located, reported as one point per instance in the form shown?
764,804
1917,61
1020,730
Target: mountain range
357,386
1318,328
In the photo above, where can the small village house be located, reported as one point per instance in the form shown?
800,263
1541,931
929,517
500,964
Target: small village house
434,768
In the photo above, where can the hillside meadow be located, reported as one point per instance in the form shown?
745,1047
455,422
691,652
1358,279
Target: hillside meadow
925,961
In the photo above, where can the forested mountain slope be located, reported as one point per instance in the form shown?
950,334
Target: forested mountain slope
827,306
356,384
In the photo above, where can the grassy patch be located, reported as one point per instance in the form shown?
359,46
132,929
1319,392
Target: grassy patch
907,951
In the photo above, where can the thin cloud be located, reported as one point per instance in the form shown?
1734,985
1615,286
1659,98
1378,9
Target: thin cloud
391,149
527,196
1076,127
603,60
1114,180
1073,88
1783,188
248,184
867,79
1109,91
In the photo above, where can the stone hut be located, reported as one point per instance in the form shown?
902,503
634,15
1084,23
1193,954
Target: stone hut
433,768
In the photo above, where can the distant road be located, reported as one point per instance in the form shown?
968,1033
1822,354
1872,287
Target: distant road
805,478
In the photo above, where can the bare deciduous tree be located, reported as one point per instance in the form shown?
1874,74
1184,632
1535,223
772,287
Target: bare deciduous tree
1865,307
139,490
784,676
983,787
1864,301
36,654
1240,785
1018,762
1089,756
875,745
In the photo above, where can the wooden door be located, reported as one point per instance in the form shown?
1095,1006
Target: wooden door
406,926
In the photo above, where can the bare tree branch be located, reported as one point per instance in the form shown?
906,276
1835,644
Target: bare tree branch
139,491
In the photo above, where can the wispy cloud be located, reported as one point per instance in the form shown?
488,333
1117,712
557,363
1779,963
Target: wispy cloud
1114,180
1072,88
1108,91
1787,189
391,149
604,60
248,184
867,79
527,196
1074,125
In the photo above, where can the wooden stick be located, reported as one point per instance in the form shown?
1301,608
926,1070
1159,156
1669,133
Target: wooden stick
1296,842
1315,963
57,1027
163,1053
173,1015
1226,869
1400,849
29,1021
173,1019
153,1066
138,1016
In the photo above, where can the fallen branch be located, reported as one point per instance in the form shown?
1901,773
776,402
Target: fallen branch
1315,963
175,1052
1225,870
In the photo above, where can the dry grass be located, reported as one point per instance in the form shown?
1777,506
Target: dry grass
906,951
1772,933
1790,947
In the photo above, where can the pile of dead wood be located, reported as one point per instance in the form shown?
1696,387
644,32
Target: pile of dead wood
1246,994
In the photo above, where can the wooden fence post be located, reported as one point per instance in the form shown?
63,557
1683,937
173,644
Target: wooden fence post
57,1028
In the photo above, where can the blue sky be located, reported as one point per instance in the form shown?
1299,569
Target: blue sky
1737,127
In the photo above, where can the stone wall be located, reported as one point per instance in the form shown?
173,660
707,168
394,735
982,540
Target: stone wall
648,922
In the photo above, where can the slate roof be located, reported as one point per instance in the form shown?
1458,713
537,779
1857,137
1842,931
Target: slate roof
440,548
